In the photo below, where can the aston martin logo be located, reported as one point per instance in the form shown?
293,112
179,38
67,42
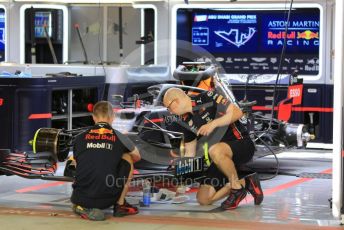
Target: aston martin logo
236,37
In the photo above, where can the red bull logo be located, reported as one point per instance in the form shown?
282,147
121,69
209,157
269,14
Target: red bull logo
101,134
308,35
101,131
281,35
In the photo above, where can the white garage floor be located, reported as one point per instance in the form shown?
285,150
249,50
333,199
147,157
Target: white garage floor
293,200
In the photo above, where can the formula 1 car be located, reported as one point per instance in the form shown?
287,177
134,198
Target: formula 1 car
151,121
152,128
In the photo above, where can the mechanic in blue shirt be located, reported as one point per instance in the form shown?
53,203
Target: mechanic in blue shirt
212,117
104,167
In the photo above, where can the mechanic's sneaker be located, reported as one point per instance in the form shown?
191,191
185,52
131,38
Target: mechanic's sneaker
252,185
89,213
234,199
124,210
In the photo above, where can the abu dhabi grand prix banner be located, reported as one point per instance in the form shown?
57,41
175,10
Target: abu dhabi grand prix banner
251,41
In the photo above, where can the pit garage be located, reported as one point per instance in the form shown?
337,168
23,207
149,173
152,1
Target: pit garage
282,67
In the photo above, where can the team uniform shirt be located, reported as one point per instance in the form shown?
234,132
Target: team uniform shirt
98,152
206,107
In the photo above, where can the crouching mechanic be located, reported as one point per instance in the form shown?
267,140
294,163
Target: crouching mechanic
211,117
104,167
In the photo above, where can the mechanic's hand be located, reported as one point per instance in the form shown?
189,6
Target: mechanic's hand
206,129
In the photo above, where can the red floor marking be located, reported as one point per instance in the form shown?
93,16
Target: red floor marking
216,223
39,187
278,188
327,171
169,220
183,221
286,185
247,199
291,184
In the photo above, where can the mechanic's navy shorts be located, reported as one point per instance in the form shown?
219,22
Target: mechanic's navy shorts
123,171
243,151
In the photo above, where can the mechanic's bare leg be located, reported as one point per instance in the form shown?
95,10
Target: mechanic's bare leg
207,194
127,158
222,154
